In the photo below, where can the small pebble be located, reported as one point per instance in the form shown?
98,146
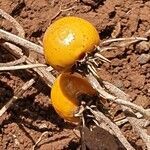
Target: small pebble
143,47
144,58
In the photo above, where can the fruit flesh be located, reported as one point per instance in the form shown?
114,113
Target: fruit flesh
64,95
67,39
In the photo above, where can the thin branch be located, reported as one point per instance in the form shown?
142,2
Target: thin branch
21,67
13,49
9,37
16,51
101,57
67,9
117,30
95,84
137,124
60,11
19,28
124,120
40,139
126,100
100,116
42,72
124,39
102,49
17,95
13,63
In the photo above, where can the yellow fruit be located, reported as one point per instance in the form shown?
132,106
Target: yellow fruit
67,40
65,90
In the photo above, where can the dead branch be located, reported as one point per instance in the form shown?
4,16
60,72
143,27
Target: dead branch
42,72
8,68
9,37
93,81
13,49
126,100
19,28
60,11
137,124
102,49
13,63
124,39
124,120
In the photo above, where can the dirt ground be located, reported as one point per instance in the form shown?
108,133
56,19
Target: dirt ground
23,124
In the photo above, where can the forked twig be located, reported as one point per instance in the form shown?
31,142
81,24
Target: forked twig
60,11
93,81
137,124
17,52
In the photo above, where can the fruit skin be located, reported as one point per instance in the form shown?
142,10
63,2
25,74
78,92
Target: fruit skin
67,40
65,90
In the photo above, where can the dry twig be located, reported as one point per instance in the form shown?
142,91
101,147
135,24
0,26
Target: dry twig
137,124
124,120
116,31
5,15
8,68
60,11
40,139
124,39
13,49
20,41
13,63
102,49
17,52
93,81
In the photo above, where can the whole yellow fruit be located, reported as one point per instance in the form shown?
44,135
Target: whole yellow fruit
64,95
67,40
